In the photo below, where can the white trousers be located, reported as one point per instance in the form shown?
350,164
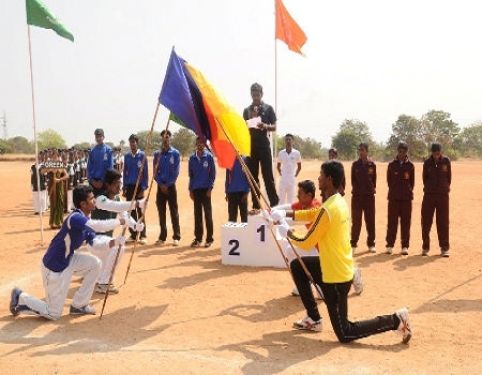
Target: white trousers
107,258
39,199
286,191
70,200
56,285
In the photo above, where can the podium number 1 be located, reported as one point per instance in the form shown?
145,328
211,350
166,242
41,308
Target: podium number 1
262,233
235,244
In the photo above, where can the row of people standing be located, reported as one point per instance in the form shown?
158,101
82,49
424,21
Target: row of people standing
436,178
59,172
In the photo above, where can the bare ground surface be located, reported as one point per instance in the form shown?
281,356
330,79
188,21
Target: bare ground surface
181,311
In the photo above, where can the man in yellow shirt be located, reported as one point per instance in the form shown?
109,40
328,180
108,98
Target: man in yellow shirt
330,231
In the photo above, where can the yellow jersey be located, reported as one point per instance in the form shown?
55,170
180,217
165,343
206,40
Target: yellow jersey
330,230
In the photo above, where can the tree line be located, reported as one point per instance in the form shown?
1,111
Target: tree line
418,133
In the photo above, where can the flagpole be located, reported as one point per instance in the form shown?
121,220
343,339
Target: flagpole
275,140
141,219
132,207
35,136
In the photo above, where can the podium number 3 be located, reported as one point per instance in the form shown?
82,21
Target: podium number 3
235,246
262,233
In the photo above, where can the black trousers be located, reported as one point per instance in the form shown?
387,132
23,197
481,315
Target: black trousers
336,300
403,210
262,155
362,204
137,213
202,202
238,200
171,199
438,204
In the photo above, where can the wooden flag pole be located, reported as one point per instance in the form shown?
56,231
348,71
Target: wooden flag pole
253,183
154,172
35,135
133,202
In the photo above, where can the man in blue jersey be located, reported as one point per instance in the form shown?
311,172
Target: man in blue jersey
237,189
202,173
132,166
62,261
166,172
100,160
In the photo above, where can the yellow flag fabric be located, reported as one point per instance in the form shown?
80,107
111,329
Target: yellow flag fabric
226,124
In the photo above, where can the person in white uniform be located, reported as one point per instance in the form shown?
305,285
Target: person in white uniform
62,261
289,166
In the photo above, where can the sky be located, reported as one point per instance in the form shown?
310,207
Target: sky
370,60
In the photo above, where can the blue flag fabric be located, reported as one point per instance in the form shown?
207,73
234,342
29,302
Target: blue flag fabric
176,96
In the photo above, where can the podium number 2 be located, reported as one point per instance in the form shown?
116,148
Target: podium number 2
235,244
262,233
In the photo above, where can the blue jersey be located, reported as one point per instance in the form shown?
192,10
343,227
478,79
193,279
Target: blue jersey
236,181
70,237
202,171
100,160
168,167
132,166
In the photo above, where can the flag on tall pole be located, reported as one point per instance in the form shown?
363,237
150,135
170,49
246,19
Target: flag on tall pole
200,107
39,15
288,30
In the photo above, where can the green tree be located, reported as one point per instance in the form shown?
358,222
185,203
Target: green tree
184,141
439,127
155,141
408,129
469,141
5,147
82,145
352,132
21,145
50,139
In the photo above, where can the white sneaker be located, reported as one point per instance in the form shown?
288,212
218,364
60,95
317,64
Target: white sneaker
389,250
404,251
404,328
308,324
295,292
372,249
142,241
175,243
445,253
357,281
102,289
160,242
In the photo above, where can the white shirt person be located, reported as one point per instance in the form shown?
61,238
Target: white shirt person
289,166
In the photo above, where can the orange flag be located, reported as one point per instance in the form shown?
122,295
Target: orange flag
288,30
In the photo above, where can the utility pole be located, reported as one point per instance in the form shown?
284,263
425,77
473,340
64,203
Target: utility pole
4,125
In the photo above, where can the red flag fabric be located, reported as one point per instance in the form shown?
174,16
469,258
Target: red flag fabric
288,30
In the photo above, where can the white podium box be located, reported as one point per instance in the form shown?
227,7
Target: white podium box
250,244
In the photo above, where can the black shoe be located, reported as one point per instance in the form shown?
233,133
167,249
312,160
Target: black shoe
195,243
85,310
14,297
208,244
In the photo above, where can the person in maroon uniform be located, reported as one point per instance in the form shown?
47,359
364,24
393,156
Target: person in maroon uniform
401,180
437,176
364,183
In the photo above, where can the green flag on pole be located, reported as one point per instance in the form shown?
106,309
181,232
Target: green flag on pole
39,15
173,117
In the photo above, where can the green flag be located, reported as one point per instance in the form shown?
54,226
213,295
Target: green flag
39,15
173,117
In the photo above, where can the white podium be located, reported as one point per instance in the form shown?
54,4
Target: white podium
250,244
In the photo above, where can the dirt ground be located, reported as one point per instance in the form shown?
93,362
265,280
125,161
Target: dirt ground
183,312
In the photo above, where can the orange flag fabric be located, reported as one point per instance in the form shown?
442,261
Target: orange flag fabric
288,30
